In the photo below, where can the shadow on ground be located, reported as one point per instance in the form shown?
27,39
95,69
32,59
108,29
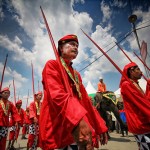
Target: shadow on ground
121,139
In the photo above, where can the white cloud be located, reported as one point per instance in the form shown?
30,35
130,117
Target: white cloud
106,11
102,37
1,14
119,3
9,75
64,20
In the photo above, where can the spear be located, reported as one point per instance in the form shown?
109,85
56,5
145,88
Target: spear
14,91
56,54
32,79
27,99
38,86
128,57
3,72
115,65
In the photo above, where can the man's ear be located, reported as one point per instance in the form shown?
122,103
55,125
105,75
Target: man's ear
61,47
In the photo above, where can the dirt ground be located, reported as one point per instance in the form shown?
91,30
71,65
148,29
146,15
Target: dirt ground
115,143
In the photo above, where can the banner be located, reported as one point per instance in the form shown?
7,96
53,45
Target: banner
143,50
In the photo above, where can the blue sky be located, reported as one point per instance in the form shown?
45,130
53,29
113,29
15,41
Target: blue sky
24,38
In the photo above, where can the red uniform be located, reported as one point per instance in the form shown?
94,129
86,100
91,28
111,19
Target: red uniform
61,111
13,135
26,123
6,108
34,111
136,104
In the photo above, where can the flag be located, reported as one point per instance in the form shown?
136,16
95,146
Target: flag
143,50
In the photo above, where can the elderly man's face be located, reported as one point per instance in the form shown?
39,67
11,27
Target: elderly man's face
5,95
69,50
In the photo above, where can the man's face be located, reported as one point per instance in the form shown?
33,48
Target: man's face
136,73
101,80
18,105
69,50
5,95
39,97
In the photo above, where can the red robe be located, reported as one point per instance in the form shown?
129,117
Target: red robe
13,135
4,120
22,114
136,105
61,111
27,119
26,123
32,114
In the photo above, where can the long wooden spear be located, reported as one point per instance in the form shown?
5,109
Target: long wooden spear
115,65
3,72
14,91
27,99
128,58
56,54
38,86
32,79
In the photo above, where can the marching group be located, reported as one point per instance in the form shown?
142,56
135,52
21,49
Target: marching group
13,117
66,116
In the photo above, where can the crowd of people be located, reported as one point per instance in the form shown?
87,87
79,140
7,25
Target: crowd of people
14,117
66,117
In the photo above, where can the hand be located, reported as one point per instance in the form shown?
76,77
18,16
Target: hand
82,135
16,125
35,120
97,106
103,138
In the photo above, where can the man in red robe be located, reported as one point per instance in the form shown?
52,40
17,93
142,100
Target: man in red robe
25,128
13,135
67,117
6,108
136,105
34,113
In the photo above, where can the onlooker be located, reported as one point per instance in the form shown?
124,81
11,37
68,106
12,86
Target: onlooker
101,85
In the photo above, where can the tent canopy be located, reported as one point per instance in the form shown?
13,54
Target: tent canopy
90,89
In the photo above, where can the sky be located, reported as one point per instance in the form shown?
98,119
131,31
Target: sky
23,36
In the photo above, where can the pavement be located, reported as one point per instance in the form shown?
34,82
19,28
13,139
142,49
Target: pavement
115,143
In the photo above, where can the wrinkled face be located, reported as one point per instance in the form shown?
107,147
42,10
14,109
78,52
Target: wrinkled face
69,50
5,95
136,73
38,97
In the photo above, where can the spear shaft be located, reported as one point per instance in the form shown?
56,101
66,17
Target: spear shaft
27,99
3,72
32,80
115,65
14,91
128,57
56,54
